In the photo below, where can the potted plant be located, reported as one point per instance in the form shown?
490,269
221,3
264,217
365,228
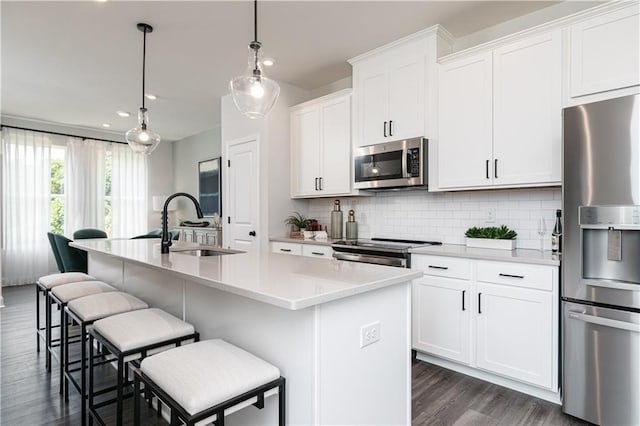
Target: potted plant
500,237
297,221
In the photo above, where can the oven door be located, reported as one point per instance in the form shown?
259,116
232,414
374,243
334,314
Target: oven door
369,258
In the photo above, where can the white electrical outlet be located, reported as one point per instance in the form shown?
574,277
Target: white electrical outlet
491,216
369,333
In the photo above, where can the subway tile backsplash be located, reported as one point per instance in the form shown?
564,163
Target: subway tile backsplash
445,216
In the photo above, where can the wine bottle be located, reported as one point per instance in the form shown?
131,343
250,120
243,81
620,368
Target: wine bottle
556,235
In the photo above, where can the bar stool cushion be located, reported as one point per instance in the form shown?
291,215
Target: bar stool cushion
53,280
203,374
101,305
137,329
68,292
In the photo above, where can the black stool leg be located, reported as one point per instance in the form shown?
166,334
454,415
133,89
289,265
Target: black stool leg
37,318
136,400
64,330
64,360
90,396
281,403
119,391
47,331
83,370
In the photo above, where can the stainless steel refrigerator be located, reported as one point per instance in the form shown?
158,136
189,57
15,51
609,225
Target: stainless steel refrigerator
601,262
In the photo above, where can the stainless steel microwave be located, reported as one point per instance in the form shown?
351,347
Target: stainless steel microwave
391,165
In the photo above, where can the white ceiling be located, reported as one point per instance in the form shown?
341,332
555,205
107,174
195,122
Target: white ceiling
77,63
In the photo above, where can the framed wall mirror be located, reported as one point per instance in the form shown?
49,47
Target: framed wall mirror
209,187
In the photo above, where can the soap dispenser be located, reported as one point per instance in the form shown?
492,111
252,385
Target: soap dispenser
352,226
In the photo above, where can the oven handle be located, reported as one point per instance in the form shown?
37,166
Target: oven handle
622,325
354,257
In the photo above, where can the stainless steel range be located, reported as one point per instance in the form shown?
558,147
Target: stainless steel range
380,251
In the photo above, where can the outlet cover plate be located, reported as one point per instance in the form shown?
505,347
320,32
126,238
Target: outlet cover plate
369,334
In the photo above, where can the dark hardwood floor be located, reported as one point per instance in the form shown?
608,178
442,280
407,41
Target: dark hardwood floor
29,395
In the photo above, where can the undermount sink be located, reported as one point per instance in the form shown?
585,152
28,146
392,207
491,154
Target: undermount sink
205,251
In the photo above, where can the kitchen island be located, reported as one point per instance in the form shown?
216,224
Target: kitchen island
316,319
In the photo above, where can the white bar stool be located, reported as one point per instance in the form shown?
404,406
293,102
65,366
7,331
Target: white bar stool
44,286
84,312
129,337
63,294
207,380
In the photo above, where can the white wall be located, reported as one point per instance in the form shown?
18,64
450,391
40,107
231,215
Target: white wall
159,179
187,153
445,216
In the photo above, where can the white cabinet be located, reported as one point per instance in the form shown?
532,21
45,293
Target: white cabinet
321,147
390,96
500,116
605,52
499,317
320,251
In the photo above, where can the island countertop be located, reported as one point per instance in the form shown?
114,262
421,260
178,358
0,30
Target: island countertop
290,282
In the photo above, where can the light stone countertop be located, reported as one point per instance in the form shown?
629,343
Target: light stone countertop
325,242
290,282
518,256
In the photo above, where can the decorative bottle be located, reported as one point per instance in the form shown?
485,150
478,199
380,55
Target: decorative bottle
336,221
351,226
556,235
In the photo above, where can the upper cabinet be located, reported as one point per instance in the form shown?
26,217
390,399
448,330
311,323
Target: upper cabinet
605,52
391,88
500,116
321,147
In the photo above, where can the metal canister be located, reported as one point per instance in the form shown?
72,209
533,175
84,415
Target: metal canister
351,226
336,221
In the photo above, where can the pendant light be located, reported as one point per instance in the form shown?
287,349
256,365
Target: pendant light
254,93
140,138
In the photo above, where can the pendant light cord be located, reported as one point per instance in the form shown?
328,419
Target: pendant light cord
144,60
255,20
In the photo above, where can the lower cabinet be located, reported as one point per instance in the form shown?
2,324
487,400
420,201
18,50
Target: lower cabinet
501,318
302,249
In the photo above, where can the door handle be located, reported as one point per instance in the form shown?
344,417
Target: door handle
390,124
463,293
479,303
252,233
385,129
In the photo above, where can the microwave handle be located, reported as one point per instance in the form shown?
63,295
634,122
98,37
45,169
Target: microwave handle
405,154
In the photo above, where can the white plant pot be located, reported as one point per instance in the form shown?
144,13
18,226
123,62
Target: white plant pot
491,243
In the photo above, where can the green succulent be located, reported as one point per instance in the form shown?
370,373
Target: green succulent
492,232
297,220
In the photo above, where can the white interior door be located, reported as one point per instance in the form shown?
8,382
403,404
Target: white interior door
243,195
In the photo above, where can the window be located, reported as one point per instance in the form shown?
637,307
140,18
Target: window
107,191
56,191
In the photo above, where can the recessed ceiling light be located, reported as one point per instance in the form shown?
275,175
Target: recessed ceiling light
123,113
267,62
151,96
106,125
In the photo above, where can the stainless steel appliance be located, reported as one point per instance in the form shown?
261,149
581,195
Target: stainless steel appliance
601,262
391,165
381,251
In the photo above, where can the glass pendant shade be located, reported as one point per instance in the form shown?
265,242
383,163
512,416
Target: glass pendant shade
254,93
140,138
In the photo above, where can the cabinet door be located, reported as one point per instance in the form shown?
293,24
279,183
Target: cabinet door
335,150
514,333
441,317
373,103
305,151
406,97
465,122
527,106
605,52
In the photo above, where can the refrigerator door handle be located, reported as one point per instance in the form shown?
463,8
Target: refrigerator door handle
611,284
622,325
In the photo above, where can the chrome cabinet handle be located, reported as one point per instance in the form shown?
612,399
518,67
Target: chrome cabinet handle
438,267
511,276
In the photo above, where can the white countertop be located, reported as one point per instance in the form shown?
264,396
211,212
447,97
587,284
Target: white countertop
290,282
519,255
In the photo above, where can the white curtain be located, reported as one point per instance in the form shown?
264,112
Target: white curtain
128,192
84,185
26,177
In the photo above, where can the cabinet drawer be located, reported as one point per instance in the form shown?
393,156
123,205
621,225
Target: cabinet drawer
286,248
442,266
516,274
317,251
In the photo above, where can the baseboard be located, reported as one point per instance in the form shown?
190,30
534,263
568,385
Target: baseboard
547,395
